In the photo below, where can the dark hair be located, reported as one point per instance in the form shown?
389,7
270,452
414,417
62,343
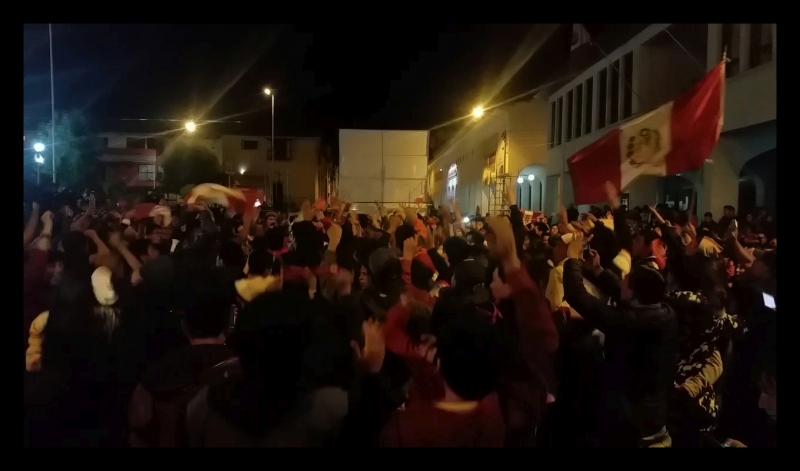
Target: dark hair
274,238
421,275
605,242
78,336
261,262
209,315
703,275
647,284
231,254
405,231
309,244
456,249
469,350
708,214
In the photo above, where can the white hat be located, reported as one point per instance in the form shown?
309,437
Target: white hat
103,288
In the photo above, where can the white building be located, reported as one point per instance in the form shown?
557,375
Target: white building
504,144
654,67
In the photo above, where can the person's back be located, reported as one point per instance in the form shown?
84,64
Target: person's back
640,349
158,406
468,353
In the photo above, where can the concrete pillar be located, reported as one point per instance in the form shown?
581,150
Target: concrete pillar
635,105
720,182
595,101
744,47
774,41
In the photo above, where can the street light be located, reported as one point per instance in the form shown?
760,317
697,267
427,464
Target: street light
271,94
520,180
477,112
190,126
38,147
531,177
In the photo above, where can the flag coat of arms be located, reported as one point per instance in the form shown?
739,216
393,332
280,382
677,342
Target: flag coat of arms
674,138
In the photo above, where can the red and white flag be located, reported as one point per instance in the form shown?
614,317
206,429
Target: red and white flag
674,138
212,193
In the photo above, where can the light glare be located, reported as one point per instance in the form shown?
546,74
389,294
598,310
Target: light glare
466,220
519,180
38,147
191,126
241,170
477,111
531,177
39,159
267,91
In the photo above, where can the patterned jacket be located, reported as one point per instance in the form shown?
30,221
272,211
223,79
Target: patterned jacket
700,363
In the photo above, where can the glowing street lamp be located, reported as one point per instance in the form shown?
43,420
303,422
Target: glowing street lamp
190,126
477,112
38,147
271,94
520,180
531,177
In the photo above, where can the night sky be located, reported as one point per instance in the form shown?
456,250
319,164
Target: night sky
383,77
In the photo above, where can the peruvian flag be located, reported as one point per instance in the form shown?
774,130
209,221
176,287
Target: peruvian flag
213,193
674,138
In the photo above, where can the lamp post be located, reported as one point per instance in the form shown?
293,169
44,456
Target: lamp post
38,148
271,93
52,105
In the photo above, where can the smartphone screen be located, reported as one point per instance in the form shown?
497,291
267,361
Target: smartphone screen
769,301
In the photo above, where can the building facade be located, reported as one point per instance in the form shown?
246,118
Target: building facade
652,68
300,169
476,166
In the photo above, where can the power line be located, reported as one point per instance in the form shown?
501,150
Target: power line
694,59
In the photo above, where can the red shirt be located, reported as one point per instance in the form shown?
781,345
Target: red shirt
446,425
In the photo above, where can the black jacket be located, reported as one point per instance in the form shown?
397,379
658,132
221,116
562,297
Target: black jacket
641,349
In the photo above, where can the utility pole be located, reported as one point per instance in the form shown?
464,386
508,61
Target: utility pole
52,104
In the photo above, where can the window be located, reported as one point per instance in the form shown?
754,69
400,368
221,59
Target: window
627,83
135,143
283,149
559,121
602,103
589,97
103,143
249,144
730,39
578,111
570,103
552,141
614,70
760,44
147,173
142,143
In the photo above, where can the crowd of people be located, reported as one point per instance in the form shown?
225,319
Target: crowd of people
197,326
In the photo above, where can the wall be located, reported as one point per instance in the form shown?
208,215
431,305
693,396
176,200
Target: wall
525,126
743,106
253,162
302,170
